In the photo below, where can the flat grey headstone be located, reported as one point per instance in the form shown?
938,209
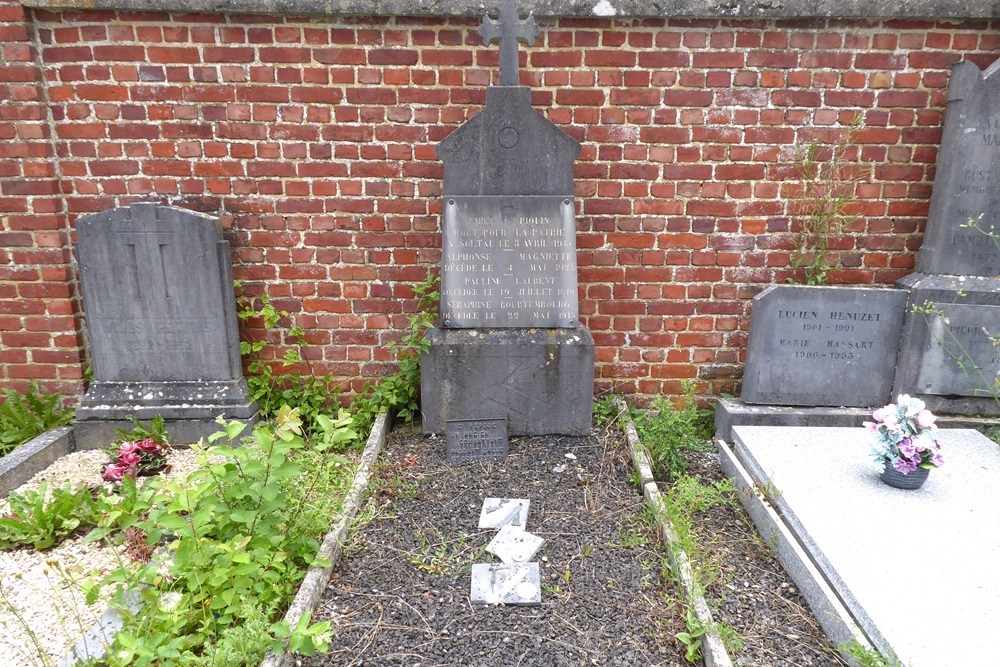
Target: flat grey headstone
514,545
161,317
500,512
509,262
476,440
516,584
822,346
967,178
892,555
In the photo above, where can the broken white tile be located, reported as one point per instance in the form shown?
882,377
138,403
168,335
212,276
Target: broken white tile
498,512
514,545
517,584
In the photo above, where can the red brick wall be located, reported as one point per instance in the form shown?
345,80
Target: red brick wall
38,339
314,141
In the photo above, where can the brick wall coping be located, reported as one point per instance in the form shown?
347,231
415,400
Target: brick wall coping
714,9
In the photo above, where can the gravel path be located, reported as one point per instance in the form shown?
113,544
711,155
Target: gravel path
401,596
36,589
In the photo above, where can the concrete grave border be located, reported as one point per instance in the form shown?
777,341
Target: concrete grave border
712,649
826,605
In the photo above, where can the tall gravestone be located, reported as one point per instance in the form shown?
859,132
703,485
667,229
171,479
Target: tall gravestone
509,344
161,323
946,353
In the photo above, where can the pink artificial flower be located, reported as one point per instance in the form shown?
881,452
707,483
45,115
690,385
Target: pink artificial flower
925,419
127,448
113,472
871,426
879,415
149,447
130,458
911,405
892,423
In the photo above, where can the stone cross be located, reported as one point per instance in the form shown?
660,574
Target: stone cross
508,29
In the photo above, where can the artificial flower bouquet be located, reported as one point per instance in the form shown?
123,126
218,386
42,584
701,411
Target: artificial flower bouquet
141,457
904,436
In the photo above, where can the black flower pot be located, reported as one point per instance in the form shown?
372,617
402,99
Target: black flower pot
913,480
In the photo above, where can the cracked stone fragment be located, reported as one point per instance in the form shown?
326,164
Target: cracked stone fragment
498,512
517,584
514,545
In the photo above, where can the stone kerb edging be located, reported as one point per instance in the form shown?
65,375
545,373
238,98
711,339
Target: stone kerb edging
316,579
830,611
712,649
33,457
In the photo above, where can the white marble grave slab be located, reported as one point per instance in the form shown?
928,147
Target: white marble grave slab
514,545
909,565
516,584
499,512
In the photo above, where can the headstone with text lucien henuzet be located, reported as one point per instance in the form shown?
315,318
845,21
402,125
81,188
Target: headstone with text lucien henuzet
161,323
947,352
822,346
509,344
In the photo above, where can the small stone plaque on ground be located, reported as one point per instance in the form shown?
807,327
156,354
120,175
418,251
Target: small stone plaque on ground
517,584
823,346
476,439
967,179
514,545
500,512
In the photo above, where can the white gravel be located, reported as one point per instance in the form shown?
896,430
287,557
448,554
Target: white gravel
42,612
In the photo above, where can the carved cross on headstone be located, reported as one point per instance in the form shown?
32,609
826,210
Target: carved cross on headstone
508,29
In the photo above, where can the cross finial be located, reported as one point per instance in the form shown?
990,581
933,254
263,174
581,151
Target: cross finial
508,29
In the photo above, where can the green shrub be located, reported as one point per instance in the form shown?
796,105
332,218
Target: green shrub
240,533
25,416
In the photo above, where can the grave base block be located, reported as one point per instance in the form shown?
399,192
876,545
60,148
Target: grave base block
540,380
188,408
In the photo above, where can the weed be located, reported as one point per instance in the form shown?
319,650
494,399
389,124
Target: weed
606,412
828,187
43,520
439,555
311,395
634,531
867,657
668,432
993,433
400,392
25,416
691,638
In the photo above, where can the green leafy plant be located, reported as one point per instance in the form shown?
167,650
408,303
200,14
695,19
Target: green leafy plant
605,410
668,432
24,416
829,176
237,536
692,637
42,520
310,394
155,430
867,657
400,392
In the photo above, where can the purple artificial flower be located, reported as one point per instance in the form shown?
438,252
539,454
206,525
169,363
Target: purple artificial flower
905,466
907,448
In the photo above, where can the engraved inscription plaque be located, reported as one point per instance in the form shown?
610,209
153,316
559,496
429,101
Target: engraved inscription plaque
509,262
961,358
476,439
967,180
831,346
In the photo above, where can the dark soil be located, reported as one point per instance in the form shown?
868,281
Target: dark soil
401,594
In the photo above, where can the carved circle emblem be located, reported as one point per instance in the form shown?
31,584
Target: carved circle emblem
508,137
